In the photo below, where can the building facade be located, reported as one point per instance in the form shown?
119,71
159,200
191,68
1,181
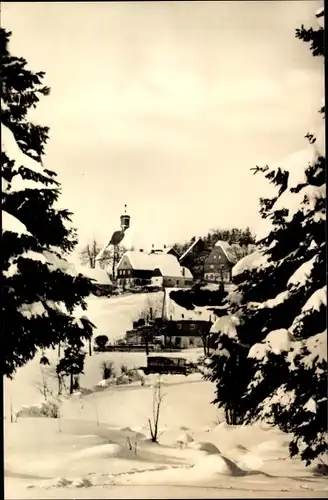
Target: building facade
186,333
218,265
138,268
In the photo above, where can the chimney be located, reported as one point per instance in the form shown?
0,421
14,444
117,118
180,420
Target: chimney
164,246
140,249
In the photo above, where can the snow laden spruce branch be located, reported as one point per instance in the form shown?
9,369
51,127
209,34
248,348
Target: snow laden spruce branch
43,299
271,357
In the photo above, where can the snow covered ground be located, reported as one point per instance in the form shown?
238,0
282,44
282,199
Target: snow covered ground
197,456
112,317
100,446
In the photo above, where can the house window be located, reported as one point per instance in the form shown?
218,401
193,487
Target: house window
177,282
191,341
211,266
179,326
192,326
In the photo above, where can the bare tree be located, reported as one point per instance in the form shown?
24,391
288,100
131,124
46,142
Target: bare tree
158,397
45,386
89,253
146,321
111,257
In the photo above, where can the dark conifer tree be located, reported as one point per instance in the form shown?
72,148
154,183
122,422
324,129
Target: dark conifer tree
41,293
279,307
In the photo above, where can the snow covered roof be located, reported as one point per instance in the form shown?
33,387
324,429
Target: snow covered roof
172,311
186,272
167,249
227,250
100,255
189,249
138,260
167,264
99,275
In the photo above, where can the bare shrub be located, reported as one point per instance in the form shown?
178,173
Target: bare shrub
48,409
158,397
124,369
108,370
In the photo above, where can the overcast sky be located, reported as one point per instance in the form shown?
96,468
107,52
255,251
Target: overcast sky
166,106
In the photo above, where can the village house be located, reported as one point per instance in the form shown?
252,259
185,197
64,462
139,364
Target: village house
186,328
169,251
159,268
218,265
193,258
101,282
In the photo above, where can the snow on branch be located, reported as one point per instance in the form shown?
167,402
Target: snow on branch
226,325
310,406
13,151
305,200
263,229
277,341
33,310
280,397
310,352
57,262
222,351
249,263
301,275
12,224
279,299
317,299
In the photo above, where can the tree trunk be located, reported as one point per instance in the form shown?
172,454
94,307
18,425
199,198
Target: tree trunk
204,345
59,350
114,259
71,383
90,348
147,347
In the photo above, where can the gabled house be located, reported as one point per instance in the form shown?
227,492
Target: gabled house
186,328
101,282
194,258
171,251
138,268
218,265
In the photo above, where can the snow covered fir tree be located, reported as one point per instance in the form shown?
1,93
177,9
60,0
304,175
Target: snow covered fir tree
271,357
42,298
